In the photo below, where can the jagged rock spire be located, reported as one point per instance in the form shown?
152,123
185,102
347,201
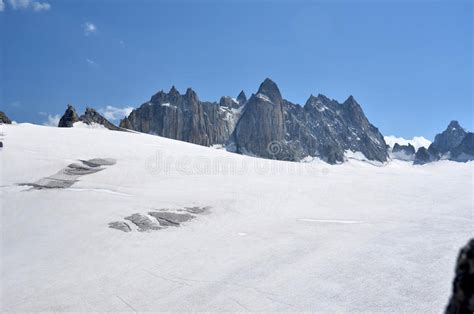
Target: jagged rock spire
69,118
270,89
242,98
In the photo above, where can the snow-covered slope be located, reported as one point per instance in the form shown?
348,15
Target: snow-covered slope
278,236
417,141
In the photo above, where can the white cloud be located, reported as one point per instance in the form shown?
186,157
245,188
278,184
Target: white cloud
114,113
27,4
90,61
2,6
417,141
89,28
38,6
53,120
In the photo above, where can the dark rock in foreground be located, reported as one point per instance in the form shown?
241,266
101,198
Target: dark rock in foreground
69,118
66,177
120,225
462,299
160,219
170,218
4,119
143,222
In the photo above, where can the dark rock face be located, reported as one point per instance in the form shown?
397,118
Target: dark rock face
91,116
449,138
262,123
465,150
403,152
69,118
424,155
266,125
242,98
183,117
462,299
4,119
454,143
407,149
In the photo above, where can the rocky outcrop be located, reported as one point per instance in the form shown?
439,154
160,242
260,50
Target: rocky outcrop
406,149
242,98
462,298
403,152
424,155
262,123
183,117
265,125
465,150
69,118
90,117
449,138
4,119
454,143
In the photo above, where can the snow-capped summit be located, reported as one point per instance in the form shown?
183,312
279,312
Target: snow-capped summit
417,141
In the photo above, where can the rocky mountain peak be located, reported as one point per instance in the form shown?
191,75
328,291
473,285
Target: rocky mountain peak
351,101
69,118
449,138
173,91
454,125
242,98
270,89
269,127
191,94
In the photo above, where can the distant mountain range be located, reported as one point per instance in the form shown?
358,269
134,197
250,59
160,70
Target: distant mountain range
267,125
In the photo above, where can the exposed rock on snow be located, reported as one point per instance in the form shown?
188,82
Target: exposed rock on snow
254,249
170,219
143,223
120,225
462,299
69,118
91,117
66,177
162,219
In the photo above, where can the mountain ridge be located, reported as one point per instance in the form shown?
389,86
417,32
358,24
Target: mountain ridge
264,125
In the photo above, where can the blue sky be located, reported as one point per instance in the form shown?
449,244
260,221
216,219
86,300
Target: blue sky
409,64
